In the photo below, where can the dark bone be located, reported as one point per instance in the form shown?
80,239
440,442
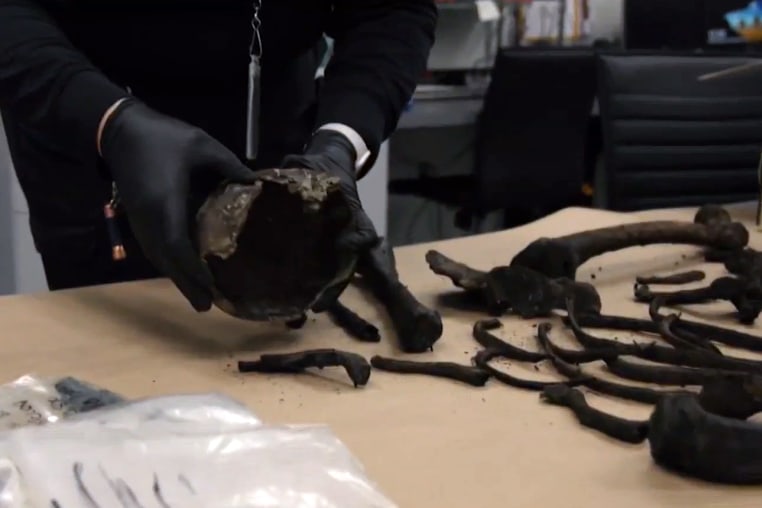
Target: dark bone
686,438
718,255
684,435
745,263
673,335
662,375
357,367
679,376
683,339
620,323
629,431
732,394
417,326
353,324
461,275
530,294
572,358
573,372
473,376
730,397
244,247
489,341
728,337
482,359
526,292
744,294
740,393
496,348
661,354
298,323
678,338
560,257
666,333
714,215
254,280
674,278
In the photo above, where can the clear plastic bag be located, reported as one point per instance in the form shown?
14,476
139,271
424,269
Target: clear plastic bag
30,400
188,451
174,415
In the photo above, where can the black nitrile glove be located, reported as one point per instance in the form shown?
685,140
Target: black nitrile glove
333,153
158,163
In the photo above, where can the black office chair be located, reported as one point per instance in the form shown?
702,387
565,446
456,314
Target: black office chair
532,134
671,140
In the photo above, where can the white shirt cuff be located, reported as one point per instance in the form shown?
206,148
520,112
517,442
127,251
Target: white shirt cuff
361,149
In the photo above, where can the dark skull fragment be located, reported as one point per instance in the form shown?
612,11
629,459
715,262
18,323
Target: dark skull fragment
271,243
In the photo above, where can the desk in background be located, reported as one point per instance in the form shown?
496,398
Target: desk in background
439,109
428,110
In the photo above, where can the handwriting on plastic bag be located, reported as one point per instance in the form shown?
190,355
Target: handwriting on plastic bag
23,412
120,491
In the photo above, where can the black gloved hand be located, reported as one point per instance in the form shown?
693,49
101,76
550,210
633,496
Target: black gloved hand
331,152
158,163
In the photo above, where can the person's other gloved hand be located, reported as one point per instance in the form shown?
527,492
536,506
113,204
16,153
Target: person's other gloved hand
331,152
158,163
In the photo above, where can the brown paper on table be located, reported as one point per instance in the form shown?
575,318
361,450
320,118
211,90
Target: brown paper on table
427,442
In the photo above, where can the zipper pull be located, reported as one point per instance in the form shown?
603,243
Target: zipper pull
109,211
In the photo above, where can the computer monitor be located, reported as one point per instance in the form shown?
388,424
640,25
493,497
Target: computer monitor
718,32
664,24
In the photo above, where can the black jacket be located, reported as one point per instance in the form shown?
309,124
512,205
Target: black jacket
63,62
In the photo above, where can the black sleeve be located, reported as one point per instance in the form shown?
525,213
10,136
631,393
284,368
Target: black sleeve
381,48
44,81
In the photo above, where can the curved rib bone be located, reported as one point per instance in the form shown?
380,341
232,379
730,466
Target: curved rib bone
560,257
744,294
629,431
673,278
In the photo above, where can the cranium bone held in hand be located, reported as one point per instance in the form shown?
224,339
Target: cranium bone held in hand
271,243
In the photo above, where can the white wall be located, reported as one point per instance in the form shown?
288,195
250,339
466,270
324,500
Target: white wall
462,41
7,269
20,266
372,191
606,18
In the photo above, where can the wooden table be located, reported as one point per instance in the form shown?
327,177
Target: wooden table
426,442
